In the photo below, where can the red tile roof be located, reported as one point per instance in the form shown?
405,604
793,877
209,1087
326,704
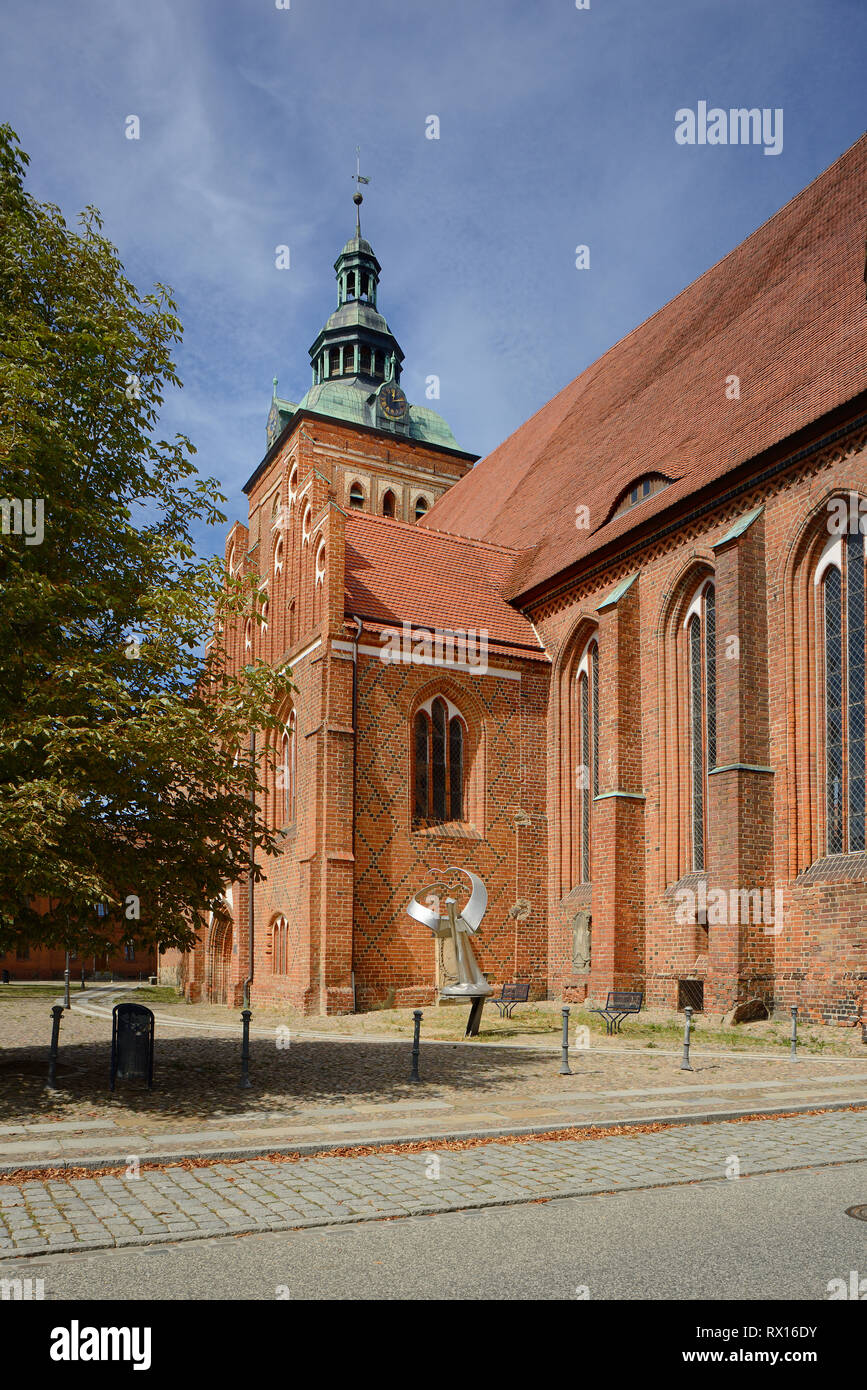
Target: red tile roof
396,572
785,311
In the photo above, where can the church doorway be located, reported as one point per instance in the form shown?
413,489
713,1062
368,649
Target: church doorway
219,962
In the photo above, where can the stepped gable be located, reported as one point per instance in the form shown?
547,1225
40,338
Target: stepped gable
785,311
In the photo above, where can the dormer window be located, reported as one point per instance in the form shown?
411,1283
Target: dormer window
639,492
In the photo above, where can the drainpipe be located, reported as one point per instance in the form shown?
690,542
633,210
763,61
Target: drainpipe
250,909
358,627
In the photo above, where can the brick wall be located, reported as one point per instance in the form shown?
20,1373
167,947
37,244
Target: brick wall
344,897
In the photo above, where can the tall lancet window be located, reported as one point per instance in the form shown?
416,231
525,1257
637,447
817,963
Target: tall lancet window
439,739
700,624
585,726
840,583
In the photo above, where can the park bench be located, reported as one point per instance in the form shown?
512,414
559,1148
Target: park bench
618,1006
510,995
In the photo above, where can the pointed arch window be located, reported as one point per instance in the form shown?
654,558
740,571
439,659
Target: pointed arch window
356,495
700,627
286,774
280,946
388,504
839,581
585,736
439,752
421,507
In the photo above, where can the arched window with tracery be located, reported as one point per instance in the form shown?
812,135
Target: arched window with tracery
700,630
585,749
439,756
839,584
280,946
286,775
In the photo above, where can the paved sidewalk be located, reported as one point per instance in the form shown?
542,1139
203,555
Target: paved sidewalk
177,1204
328,1090
109,1141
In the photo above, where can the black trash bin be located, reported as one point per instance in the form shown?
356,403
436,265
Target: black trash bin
132,1044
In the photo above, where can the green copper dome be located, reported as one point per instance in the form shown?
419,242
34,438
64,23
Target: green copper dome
357,361
352,400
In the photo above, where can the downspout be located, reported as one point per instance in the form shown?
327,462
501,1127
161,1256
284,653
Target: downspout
358,628
250,902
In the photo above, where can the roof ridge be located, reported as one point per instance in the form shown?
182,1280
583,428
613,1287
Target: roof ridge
435,530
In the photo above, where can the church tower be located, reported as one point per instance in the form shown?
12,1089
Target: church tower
357,363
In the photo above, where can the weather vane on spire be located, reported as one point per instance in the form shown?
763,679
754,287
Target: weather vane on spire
358,196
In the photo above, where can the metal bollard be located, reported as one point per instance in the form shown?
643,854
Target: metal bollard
794,1032
82,977
416,1034
56,1015
245,1050
685,1066
565,1069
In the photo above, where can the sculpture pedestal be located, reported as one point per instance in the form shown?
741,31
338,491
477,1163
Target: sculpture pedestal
475,1017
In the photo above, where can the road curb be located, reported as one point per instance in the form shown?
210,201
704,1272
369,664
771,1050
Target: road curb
99,1162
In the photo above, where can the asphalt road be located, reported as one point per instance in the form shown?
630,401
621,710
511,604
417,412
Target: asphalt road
774,1236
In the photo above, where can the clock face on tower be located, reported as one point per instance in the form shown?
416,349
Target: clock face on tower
273,423
392,401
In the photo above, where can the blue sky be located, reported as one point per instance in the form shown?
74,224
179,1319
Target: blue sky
556,129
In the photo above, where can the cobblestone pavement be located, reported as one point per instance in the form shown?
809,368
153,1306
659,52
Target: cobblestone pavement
339,1090
177,1203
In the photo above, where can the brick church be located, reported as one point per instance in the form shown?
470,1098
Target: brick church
616,668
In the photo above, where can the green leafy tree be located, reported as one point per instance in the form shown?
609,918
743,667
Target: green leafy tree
124,776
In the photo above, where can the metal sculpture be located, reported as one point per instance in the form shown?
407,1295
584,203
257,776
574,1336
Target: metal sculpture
461,927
